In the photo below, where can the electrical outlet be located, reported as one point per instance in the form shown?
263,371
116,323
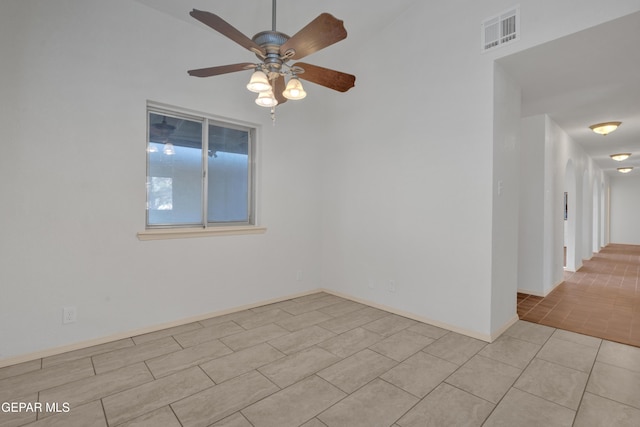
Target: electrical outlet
299,276
69,315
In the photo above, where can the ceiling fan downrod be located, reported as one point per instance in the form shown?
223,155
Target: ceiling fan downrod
273,16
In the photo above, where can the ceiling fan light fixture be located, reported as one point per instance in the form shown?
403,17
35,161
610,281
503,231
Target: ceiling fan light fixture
294,90
620,156
605,128
266,99
259,82
168,149
625,169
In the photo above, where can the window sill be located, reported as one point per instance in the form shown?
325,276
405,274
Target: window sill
186,233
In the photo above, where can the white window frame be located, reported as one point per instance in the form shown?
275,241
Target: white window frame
177,231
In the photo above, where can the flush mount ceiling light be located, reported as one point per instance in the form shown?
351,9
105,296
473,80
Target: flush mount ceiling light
620,156
625,170
605,128
274,51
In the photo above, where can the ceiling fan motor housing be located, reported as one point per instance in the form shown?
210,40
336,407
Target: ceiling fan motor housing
271,41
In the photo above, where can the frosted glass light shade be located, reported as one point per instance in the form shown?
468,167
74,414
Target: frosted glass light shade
259,82
266,99
168,149
625,170
620,156
294,90
605,128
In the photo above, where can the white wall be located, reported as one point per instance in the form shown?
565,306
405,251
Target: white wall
76,78
506,197
410,174
625,206
532,205
547,150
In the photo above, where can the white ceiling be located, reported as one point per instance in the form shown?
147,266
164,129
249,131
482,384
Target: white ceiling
589,77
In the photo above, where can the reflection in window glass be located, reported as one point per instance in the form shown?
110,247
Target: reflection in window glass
178,171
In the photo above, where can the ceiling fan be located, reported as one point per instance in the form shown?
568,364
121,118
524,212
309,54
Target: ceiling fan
275,50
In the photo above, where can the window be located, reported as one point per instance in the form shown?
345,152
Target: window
200,171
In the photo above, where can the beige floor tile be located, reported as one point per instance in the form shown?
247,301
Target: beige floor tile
455,348
98,386
350,342
577,338
163,417
420,373
428,330
304,320
216,403
525,410
569,354
615,383
401,345
531,332
448,406
210,333
341,308
299,340
173,362
355,371
251,319
241,362
139,400
141,339
511,351
311,297
253,337
352,320
314,423
21,368
596,411
376,404
223,318
128,356
23,385
555,383
389,325
235,420
89,415
87,352
620,355
486,378
314,304
295,404
293,368
16,418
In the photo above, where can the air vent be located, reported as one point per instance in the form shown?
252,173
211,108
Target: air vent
501,29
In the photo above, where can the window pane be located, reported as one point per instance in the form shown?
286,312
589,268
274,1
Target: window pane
174,181
228,180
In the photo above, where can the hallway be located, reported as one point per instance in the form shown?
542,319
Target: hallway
602,299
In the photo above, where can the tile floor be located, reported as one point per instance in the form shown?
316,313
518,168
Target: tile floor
321,360
602,299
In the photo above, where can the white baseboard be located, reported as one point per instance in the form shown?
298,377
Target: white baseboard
540,294
132,333
453,328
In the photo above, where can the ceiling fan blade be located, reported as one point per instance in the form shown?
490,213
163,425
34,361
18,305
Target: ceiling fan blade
323,31
279,87
227,30
326,77
223,69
